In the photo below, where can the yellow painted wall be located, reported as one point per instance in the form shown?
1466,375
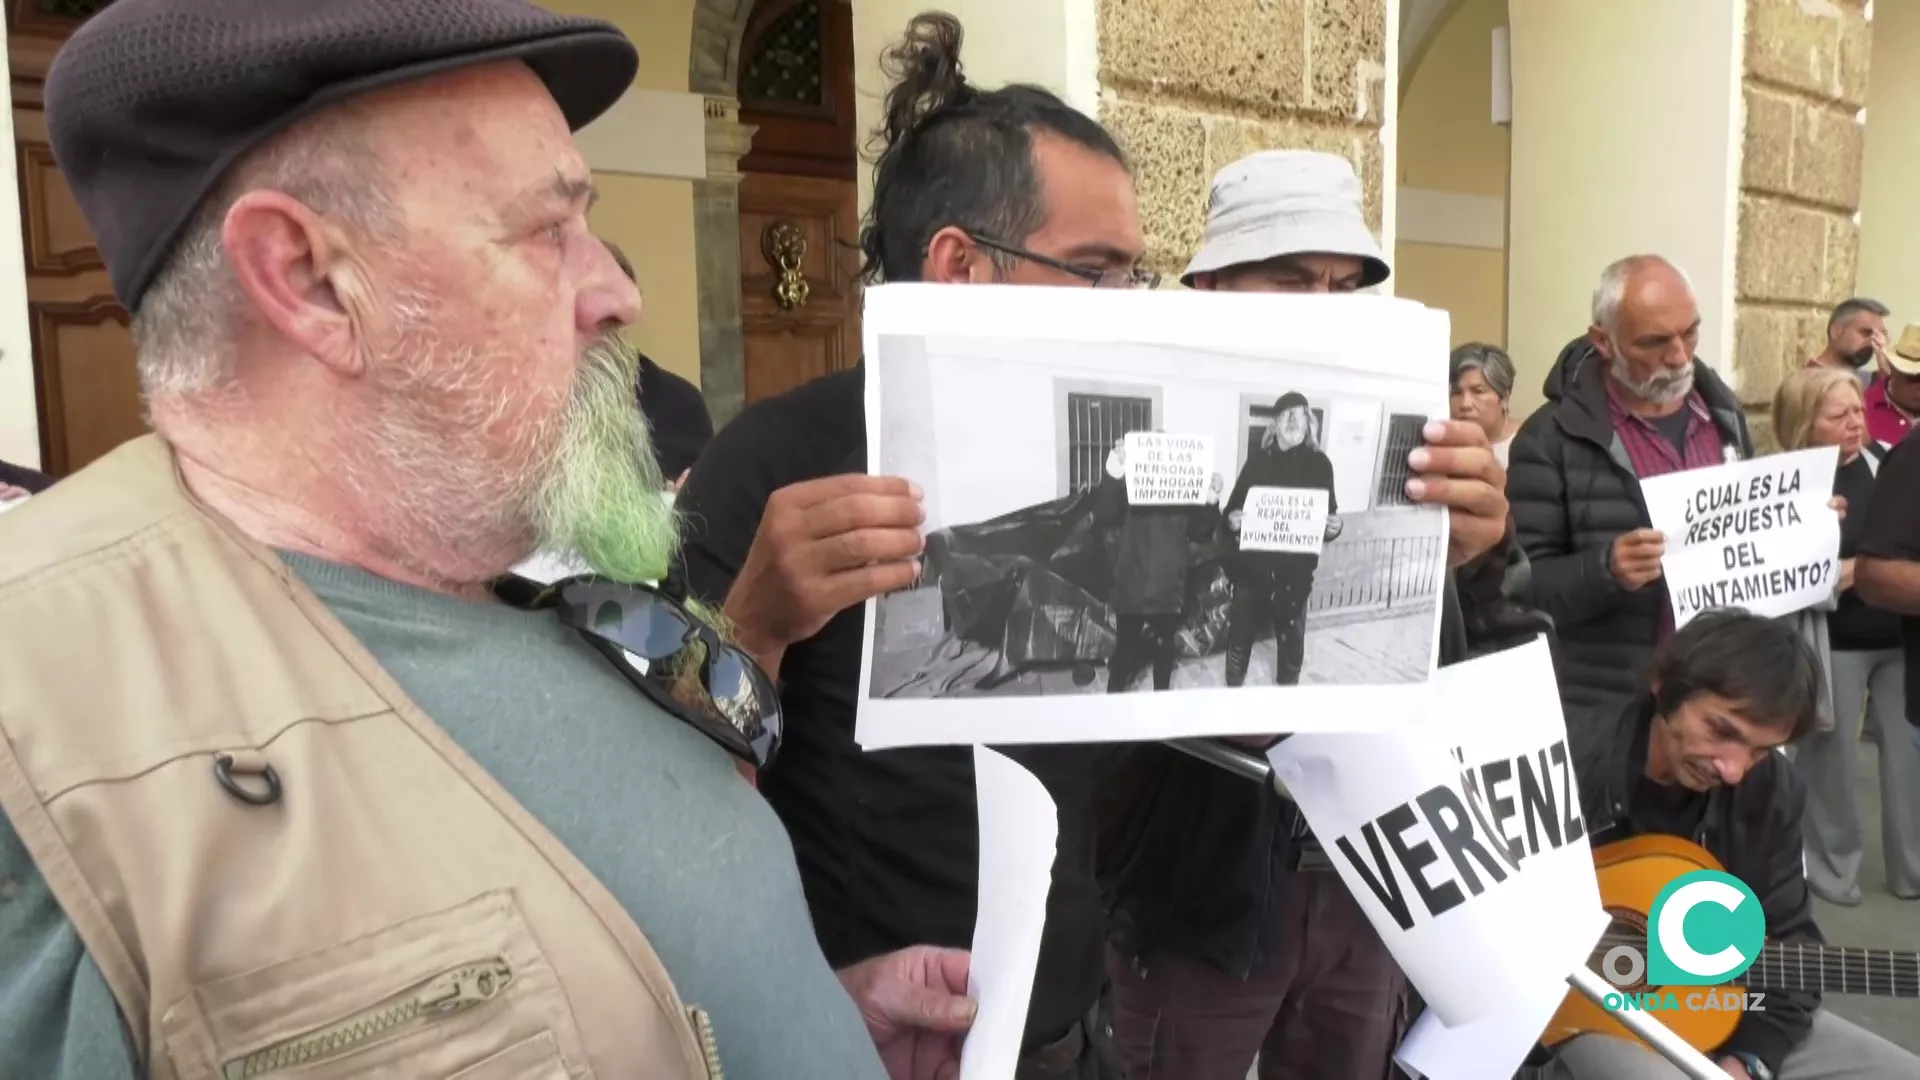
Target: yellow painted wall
1890,187
1448,142
652,218
19,408
1626,139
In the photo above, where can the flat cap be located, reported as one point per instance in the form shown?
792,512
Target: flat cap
152,102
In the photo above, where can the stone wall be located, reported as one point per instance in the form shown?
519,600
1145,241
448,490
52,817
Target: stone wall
1188,87
1805,84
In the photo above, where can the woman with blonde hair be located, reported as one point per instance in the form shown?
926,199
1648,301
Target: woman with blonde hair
1823,407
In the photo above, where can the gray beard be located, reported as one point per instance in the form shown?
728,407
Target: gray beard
1662,389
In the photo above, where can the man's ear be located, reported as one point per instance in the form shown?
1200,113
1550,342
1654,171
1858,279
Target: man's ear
286,259
954,259
1602,343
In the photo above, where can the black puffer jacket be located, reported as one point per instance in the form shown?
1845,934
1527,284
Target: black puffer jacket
1573,491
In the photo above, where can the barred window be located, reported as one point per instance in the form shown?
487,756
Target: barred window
1094,423
1403,437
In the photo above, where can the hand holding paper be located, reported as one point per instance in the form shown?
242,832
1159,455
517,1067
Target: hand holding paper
916,1007
1763,535
1635,561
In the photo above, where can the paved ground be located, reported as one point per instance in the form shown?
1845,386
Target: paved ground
1881,922
1342,647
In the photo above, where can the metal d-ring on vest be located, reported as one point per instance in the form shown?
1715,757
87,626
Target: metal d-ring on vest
247,763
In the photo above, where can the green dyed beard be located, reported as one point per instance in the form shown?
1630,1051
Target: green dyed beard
602,498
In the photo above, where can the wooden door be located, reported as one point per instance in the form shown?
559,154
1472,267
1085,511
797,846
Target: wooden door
86,389
799,217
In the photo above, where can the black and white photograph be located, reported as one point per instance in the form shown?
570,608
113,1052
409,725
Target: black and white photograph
1115,520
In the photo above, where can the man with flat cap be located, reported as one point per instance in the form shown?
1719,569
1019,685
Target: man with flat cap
295,780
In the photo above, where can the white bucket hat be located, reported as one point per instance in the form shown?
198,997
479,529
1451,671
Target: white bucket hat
1286,202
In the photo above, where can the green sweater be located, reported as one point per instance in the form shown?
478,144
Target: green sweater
652,807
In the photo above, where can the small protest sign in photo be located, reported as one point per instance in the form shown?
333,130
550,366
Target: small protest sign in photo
1284,519
1167,470
1151,515
1760,535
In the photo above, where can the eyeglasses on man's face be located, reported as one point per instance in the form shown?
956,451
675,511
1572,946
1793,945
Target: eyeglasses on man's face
1130,277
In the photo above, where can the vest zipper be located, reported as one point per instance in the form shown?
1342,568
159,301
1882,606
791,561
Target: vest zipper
447,994
709,1043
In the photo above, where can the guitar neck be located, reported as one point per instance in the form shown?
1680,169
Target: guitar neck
1831,969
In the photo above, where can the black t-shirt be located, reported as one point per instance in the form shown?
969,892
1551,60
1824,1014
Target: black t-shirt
887,841
1892,531
1674,427
1856,624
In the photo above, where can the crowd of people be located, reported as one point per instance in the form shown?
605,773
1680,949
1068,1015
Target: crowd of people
296,773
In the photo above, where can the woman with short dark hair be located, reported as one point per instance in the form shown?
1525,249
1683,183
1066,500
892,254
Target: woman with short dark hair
1482,377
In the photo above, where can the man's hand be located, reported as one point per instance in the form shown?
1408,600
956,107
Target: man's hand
1234,519
823,546
916,1007
1846,576
1334,525
1215,486
1636,557
1732,1067
1457,470
8,493
1117,459
1839,504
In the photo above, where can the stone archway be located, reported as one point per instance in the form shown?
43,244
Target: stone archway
713,70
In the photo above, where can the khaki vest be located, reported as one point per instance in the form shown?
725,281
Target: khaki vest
394,913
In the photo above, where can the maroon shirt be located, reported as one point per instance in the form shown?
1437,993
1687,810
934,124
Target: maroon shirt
1654,454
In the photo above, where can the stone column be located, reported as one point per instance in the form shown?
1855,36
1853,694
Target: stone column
1804,82
1190,87
716,244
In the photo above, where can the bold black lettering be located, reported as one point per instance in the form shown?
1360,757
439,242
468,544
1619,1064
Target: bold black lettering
1385,887
1492,775
1538,806
1416,859
1569,794
1450,823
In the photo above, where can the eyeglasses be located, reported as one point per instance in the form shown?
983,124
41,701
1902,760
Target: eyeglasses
1114,278
656,643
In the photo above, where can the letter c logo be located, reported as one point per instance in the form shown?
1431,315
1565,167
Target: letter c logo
1704,908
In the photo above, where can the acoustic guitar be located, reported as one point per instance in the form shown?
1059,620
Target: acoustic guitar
1632,872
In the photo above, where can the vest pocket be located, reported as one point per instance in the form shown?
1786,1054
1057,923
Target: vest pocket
463,992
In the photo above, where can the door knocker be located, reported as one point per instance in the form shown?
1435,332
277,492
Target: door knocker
785,246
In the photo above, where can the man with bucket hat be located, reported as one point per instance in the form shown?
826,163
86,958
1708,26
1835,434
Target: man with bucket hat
295,780
1230,934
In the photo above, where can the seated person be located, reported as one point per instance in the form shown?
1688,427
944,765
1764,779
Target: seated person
1694,756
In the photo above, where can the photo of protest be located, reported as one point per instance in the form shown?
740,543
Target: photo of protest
1212,521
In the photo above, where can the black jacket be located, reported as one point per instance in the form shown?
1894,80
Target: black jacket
1304,466
1573,491
1150,568
1753,828
1192,857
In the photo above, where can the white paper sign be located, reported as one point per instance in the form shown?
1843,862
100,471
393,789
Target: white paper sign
1475,876
1018,828
1168,470
1757,534
1284,519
